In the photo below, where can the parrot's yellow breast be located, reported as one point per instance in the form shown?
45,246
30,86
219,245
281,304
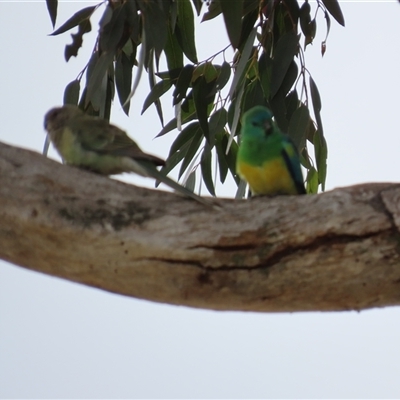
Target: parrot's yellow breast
271,178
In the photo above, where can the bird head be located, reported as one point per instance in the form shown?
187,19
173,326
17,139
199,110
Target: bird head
258,120
56,117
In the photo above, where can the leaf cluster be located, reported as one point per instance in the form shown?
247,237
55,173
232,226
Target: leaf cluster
268,68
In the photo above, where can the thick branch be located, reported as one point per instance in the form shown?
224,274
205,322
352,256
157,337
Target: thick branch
333,251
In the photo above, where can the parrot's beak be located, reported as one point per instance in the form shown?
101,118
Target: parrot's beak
267,125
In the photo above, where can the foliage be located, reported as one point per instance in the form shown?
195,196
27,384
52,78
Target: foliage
268,69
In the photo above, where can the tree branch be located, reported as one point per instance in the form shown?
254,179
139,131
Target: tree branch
333,251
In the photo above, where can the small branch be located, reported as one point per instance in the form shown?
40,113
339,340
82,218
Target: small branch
333,251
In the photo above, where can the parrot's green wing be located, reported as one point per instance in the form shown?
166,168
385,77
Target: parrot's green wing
291,157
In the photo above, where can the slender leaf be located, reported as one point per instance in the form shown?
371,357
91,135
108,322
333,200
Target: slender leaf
71,93
200,93
99,72
75,20
298,127
191,181
236,115
184,137
173,52
156,92
152,82
285,51
142,57
221,149
214,9
321,155
316,100
264,69
217,123
206,169
232,12
333,7
240,69
183,83
185,30
197,5
111,33
155,21
175,159
123,79
224,75
52,9
328,28
312,181
253,96
192,150
241,190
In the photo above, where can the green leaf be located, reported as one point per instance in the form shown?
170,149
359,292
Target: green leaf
293,8
312,181
305,18
71,93
316,100
123,79
185,31
224,75
77,19
289,79
298,127
152,82
231,160
241,190
217,123
248,23
111,33
226,161
191,181
99,71
220,146
183,83
192,150
264,70
52,9
174,159
173,52
155,19
333,7
278,107
156,92
253,96
197,5
292,103
285,51
328,28
188,113
244,58
206,169
232,12
201,90
214,9
321,155
184,137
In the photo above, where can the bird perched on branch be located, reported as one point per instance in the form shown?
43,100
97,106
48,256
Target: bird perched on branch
267,159
94,144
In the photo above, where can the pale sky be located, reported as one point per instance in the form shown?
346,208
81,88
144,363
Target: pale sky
64,340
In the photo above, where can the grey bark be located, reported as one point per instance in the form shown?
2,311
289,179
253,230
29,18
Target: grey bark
333,251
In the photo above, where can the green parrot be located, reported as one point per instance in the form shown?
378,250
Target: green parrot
267,159
94,144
